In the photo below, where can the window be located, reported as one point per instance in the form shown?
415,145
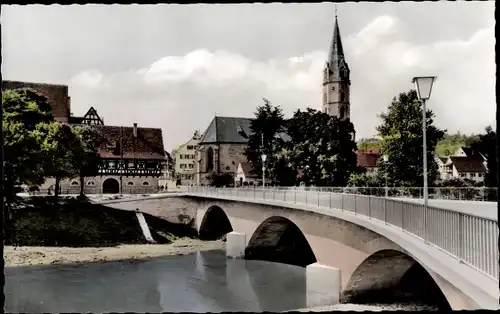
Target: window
130,183
112,164
191,166
462,175
210,159
131,164
342,112
480,175
145,183
342,96
183,166
227,168
74,183
91,183
190,147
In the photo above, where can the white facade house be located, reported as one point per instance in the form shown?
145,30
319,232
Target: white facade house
464,163
445,167
185,160
468,167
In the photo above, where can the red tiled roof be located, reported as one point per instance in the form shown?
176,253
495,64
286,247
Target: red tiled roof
57,96
147,145
468,164
367,160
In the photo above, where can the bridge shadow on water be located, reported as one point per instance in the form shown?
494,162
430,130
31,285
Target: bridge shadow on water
385,277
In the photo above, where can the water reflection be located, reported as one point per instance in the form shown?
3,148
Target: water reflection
201,282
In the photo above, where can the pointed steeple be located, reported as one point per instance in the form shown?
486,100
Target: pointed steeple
336,60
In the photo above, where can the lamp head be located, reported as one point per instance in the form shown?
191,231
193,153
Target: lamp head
423,85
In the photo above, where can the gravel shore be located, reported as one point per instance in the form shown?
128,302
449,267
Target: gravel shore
36,255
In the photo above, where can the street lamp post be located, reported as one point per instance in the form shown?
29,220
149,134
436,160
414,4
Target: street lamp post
423,85
386,160
264,157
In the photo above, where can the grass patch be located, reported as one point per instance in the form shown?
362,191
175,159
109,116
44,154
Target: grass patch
79,223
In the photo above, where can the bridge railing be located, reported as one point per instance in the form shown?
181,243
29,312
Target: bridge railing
444,193
471,239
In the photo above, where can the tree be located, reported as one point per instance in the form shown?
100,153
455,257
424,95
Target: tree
220,180
364,180
268,124
60,146
24,110
486,144
401,132
323,147
86,158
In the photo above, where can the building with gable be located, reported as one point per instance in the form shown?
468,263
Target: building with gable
464,163
184,158
222,148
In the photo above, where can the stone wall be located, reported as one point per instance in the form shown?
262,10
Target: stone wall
230,155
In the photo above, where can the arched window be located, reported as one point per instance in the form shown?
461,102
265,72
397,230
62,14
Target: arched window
145,183
91,183
210,159
342,96
74,183
130,183
342,112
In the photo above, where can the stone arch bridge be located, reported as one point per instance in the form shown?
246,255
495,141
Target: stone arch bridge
359,248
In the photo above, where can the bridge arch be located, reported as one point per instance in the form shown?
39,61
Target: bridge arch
278,239
389,276
215,224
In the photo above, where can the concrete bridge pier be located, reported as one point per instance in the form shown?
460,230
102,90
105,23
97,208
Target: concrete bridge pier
235,244
323,285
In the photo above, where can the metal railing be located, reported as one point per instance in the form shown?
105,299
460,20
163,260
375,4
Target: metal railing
444,193
471,239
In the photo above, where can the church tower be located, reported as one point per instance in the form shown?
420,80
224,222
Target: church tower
336,81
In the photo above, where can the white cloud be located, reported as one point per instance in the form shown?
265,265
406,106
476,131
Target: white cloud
182,93
91,78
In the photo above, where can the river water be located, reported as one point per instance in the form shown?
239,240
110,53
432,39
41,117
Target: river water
199,282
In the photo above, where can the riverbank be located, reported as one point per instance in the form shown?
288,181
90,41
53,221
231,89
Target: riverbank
36,255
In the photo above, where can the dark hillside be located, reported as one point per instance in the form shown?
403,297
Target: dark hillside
79,223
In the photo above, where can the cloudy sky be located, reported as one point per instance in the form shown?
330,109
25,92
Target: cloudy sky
176,66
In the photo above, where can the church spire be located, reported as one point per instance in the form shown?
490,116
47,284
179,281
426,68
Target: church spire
336,78
336,59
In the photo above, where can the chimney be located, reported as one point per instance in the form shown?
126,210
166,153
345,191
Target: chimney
135,129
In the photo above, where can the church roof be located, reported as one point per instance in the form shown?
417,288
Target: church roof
227,130
231,130
336,58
